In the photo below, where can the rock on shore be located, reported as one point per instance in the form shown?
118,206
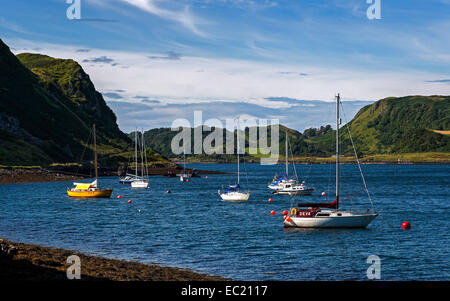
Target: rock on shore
20,261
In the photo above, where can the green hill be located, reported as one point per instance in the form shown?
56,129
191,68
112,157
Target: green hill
404,125
160,140
401,125
47,109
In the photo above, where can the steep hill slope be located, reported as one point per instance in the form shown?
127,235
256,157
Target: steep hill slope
47,109
402,125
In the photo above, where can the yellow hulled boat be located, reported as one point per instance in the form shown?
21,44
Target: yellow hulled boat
90,190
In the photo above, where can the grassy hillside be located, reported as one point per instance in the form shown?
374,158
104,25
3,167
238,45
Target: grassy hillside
405,125
47,109
401,125
160,140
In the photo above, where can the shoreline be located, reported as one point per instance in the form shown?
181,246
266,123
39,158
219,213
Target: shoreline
12,175
344,162
25,262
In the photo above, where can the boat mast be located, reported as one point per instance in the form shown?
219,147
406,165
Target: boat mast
142,156
145,154
337,146
238,148
184,160
287,167
135,151
95,154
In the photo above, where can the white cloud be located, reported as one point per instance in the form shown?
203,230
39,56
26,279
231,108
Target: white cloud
233,80
229,81
183,16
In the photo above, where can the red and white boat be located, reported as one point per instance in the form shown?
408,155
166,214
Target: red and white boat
314,216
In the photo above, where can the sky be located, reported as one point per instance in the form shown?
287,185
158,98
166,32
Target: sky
158,60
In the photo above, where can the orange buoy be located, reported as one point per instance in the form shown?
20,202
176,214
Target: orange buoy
272,212
285,212
406,225
119,196
129,202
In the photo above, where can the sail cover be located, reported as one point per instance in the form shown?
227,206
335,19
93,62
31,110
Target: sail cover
332,205
85,186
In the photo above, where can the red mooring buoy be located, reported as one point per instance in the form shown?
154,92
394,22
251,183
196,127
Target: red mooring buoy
285,212
272,212
406,225
119,196
129,202
270,200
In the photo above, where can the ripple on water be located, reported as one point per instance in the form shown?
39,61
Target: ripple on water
192,228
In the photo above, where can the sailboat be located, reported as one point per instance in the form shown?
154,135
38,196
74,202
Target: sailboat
315,217
184,177
90,190
140,182
233,192
283,185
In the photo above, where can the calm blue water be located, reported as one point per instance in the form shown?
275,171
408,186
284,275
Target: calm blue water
192,228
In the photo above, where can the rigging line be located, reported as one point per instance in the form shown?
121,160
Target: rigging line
245,165
353,195
145,153
357,159
387,223
292,156
71,112
84,150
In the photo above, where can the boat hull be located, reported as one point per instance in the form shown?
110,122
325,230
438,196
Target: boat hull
99,193
139,184
184,178
126,182
235,196
344,221
294,192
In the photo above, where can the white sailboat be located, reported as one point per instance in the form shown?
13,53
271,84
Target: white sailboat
315,217
140,181
286,186
184,177
233,192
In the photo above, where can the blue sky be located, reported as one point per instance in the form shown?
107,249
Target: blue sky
232,57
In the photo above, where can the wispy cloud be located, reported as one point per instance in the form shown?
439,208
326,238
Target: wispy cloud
170,87
170,55
182,16
446,81
101,59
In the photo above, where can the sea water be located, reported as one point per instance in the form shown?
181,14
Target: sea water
192,228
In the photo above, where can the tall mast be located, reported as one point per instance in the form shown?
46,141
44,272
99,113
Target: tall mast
337,145
286,147
184,159
145,154
135,151
142,156
95,154
238,148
